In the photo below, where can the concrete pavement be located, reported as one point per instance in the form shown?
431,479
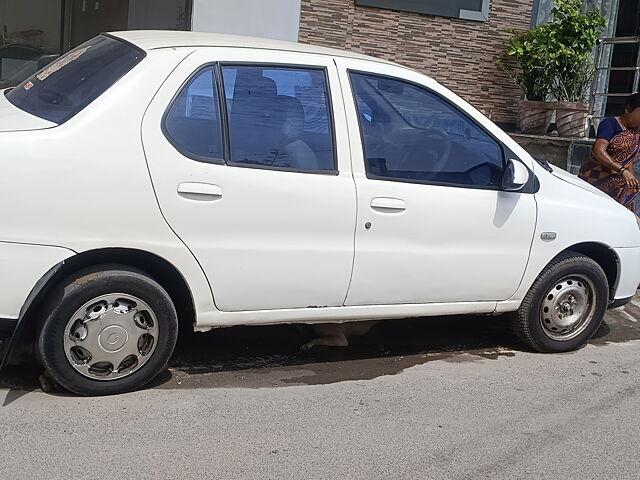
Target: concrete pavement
423,398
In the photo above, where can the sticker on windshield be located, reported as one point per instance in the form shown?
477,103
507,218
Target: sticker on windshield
57,65
28,85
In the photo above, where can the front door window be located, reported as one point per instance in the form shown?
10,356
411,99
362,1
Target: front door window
412,135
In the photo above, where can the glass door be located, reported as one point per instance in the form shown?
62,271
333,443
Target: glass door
35,32
88,18
92,17
30,37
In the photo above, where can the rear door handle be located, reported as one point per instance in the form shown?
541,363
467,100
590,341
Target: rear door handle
388,205
200,191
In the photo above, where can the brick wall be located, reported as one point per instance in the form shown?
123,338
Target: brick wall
458,53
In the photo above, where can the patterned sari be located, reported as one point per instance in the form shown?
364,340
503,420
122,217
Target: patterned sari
623,149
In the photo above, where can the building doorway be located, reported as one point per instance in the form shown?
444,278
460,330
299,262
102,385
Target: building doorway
88,18
35,32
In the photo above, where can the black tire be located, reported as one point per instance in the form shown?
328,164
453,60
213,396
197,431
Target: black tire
527,323
81,288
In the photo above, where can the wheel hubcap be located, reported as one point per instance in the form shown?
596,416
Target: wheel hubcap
111,336
568,308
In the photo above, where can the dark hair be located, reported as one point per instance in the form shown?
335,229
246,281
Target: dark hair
633,102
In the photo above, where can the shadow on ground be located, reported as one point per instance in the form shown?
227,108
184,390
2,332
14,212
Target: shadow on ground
266,357
256,357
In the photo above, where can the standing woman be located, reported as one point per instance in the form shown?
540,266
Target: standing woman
610,165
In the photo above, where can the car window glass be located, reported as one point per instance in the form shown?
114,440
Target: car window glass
193,121
279,118
411,134
70,83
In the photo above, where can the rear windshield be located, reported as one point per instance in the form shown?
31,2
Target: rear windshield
67,85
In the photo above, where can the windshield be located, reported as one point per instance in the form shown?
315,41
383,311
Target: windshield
66,86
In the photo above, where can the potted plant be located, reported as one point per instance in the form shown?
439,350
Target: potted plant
526,61
572,36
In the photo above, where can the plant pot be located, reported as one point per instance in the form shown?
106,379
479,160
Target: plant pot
534,117
571,118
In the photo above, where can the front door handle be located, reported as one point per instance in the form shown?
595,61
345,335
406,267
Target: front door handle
388,205
200,191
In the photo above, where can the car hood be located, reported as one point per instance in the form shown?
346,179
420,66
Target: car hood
574,180
12,119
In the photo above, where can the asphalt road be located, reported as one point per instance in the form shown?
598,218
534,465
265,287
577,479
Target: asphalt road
454,398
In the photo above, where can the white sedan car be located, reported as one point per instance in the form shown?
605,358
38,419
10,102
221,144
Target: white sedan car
155,176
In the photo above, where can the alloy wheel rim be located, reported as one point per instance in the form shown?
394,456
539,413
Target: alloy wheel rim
111,336
568,308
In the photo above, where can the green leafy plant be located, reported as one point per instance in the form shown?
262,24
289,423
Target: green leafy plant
572,36
554,57
526,61
572,82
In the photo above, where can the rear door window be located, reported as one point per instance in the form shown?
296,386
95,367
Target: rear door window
66,86
192,123
279,118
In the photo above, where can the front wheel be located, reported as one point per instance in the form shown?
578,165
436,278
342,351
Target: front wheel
565,306
107,330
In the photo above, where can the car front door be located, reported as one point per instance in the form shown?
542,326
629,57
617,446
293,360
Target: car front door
249,156
434,224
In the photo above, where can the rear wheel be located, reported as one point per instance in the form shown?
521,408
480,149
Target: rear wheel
565,305
107,330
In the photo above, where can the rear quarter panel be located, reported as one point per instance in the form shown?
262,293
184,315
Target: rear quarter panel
84,185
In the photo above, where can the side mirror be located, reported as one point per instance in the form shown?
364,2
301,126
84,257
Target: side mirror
516,176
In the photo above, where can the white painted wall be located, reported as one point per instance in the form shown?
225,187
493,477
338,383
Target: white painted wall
277,19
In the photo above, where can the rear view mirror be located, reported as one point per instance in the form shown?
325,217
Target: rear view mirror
516,176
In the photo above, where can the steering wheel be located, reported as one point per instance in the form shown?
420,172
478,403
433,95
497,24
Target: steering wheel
415,140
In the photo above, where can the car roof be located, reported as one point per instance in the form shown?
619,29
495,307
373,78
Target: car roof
157,39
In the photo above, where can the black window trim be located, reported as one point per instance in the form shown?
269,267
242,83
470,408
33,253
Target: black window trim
224,118
126,42
330,116
372,176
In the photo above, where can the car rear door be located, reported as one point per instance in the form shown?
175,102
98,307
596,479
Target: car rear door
433,223
258,185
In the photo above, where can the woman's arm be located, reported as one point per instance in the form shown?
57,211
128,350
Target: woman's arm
601,156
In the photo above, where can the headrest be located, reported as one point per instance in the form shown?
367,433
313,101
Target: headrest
251,83
289,107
